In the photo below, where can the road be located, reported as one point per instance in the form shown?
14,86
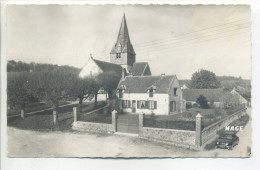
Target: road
25,143
241,150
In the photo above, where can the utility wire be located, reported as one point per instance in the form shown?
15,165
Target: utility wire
192,31
141,46
153,46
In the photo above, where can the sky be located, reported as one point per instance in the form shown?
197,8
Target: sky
174,39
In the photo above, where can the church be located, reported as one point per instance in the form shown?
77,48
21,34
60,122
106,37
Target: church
122,58
138,91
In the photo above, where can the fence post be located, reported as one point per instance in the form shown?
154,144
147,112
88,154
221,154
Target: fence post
198,130
75,114
141,123
55,117
22,113
114,123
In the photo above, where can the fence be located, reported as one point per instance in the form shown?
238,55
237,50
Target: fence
149,128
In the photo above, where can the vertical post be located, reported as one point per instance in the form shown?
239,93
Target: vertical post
55,117
198,130
141,122
22,113
114,123
75,114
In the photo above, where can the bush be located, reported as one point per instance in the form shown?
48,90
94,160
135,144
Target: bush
219,111
195,105
203,102
187,114
188,105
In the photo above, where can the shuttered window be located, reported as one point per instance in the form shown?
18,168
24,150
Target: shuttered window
126,103
152,104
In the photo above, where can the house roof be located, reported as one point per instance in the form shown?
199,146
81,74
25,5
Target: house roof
140,84
210,94
106,66
139,68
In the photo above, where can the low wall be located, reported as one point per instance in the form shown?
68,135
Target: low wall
92,127
182,138
211,131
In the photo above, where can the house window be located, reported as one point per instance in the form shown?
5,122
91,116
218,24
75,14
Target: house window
175,91
118,55
120,94
126,103
142,104
151,93
152,104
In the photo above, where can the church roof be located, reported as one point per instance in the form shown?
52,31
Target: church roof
140,84
210,94
123,39
139,69
106,66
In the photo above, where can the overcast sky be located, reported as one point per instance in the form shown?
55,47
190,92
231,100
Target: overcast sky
173,39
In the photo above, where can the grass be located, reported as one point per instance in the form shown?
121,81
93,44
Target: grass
43,121
242,121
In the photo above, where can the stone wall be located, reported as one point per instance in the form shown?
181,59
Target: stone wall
211,131
92,127
182,138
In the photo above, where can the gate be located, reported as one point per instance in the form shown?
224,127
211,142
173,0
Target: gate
128,123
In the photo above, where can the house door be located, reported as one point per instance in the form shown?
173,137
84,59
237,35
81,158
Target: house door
134,106
172,106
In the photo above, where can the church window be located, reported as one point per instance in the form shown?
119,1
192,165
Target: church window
118,55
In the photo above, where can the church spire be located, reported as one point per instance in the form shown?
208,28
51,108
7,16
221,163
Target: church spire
123,52
123,39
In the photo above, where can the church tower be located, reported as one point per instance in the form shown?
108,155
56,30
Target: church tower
122,52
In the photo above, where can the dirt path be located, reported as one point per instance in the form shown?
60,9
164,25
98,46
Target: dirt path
24,143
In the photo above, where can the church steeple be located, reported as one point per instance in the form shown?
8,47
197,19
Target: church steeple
123,52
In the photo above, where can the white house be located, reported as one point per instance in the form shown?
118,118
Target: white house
160,95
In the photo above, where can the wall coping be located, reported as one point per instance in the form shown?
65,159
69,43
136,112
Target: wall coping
223,119
176,130
94,123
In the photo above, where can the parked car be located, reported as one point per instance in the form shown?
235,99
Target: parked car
227,140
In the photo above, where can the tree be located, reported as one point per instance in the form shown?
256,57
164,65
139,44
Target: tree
203,102
204,79
108,81
17,94
51,87
81,89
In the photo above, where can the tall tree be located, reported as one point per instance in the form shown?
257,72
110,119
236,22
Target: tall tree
51,87
81,88
204,79
17,94
109,81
